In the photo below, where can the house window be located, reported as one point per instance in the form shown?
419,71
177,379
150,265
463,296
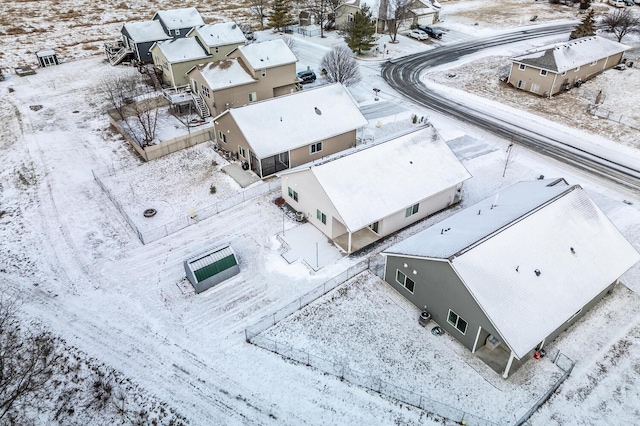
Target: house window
222,137
350,18
457,322
522,67
535,87
577,69
217,49
564,73
241,151
205,91
177,32
543,73
593,63
293,194
321,216
315,147
264,73
253,96
521,84
411,210
405,281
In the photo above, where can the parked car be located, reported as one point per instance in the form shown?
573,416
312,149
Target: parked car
620,67
307,76
432,32
617,3
418,34
629,2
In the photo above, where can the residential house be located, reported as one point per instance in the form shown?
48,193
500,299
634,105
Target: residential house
275,134
421,12
219,39
361,197
178,22
251,73
555,69
507,275
178,56
138,37
344,13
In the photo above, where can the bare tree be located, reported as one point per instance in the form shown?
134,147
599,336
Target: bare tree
397,12
621,22
258,9
341,66
291,44
510,156
134,103
320,9
28,360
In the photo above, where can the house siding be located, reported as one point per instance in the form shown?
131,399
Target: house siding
438,287
330,146
234,137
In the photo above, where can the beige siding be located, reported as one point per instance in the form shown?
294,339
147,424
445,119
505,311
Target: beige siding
222,52
234,138
343,13
330,146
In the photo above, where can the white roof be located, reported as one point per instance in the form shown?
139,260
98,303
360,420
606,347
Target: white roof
499,272
373,183
182,50
572,54
43,53
220,34
180,18
287,122
225,73
146,31
267,54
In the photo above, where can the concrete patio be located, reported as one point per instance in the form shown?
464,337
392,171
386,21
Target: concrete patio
359,240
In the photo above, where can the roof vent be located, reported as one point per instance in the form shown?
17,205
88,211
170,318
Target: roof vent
573,251
537,271
318,111
234,26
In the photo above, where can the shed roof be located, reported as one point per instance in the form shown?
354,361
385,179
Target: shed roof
225,73
146,31
563,239
267,54
182,50
287,122
220,34
188,17
43,53
572,54
210,257
373,183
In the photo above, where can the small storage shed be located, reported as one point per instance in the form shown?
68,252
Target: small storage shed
46,58
211,267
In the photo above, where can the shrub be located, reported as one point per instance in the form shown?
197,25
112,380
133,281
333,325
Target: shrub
212,189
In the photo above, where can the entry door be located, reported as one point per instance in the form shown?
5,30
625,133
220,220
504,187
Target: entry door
194,84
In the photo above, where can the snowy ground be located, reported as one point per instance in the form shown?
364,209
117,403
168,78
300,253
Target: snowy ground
79,268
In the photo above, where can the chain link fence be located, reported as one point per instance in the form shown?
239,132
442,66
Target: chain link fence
148,236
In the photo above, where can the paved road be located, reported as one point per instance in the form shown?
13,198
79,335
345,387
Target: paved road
403,75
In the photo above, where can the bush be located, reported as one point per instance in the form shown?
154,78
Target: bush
212,189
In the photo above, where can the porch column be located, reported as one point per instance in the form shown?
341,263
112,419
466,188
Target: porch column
349,245
508,367
475,344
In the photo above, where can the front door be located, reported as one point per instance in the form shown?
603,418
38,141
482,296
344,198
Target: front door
194,84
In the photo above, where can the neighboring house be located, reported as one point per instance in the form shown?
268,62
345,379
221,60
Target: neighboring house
178,22
138,37
287,131
176,57
424,12
236,81
506,276
359,198
219,39
557,68
344,13
421,12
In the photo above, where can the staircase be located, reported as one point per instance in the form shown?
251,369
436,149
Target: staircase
117,52
153,73
201,105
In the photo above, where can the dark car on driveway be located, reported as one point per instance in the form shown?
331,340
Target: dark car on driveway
307,76
432,32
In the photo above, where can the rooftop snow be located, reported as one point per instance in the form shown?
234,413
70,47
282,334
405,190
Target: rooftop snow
180,18
225,73
577,251
220,34
474,223
182,50
146,31
389,177
287,122
47,52
267,54
570,55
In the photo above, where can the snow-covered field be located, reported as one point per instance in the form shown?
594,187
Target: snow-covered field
72,259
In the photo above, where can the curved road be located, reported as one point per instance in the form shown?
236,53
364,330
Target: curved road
404,73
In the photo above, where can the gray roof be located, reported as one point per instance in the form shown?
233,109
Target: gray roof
146,31
188,17
572,54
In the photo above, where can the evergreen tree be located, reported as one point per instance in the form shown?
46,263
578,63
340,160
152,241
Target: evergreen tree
586,28
361,30
280,15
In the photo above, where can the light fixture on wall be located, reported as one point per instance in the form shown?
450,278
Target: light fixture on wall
405,265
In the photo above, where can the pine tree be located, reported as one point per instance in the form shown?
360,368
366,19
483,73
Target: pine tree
360,31
586,28
280,16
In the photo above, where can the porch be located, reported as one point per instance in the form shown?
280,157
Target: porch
498,358
358,240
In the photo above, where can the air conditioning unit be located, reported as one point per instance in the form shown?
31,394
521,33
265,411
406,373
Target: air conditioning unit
300,216
425,317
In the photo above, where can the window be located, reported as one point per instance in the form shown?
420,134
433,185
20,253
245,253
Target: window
564,73
522,67
177,32
205,91
321,216
405,281
217,49
315,147
593,63
543,73
535,88
241,152
457,322
222,137
264,73
253,96
577,69
293,194
411,210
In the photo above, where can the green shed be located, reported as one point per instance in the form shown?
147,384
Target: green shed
211,267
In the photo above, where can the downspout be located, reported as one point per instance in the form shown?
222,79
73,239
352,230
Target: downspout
553,85
506,370
349,244
475,344
510,70
172,77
